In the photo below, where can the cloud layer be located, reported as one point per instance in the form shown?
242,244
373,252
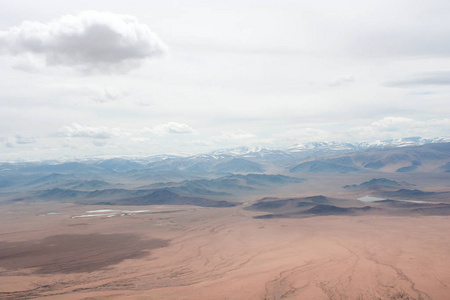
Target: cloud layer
397,127
91,40
77,130
238,74
171,128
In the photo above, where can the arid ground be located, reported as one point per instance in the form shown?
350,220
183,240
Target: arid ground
186,252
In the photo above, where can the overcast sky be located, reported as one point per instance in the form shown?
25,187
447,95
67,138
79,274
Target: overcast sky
90,78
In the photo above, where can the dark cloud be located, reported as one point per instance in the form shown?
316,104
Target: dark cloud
401,44
437,78
24,140
92,41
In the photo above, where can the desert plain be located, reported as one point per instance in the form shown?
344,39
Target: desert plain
51,250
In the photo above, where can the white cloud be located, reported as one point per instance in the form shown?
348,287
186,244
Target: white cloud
27,63
400,127
140,140
6,142
75,130
109,95
202,143
234,135
392,123
91,40
305,135
99,143
171,128
341,80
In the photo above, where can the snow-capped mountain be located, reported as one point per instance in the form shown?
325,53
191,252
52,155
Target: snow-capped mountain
329,146
325,147
238,151
341,146
409,141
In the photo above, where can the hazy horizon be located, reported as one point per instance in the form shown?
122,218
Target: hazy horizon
113,78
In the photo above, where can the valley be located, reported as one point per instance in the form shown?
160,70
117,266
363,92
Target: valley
234,226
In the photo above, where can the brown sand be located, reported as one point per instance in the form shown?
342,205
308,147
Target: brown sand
220,254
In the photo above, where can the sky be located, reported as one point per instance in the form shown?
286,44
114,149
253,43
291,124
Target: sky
137,78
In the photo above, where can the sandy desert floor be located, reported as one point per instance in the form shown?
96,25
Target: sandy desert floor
176,252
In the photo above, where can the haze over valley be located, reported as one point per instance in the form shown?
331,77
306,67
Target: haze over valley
326,221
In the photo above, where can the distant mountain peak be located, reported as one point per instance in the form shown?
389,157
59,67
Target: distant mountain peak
238,150
408,141
331,146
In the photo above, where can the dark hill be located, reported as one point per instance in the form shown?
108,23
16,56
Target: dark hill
167,197
232,184
63,168
446,167
410,168
375,165
119,165
317,199
402,204
325,210
61,194
406,193
239,165
438,210
286,205
376,182
266,179
202,167
51,178
90,184
322,166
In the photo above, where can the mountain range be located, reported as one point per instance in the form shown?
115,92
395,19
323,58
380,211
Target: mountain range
225,175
